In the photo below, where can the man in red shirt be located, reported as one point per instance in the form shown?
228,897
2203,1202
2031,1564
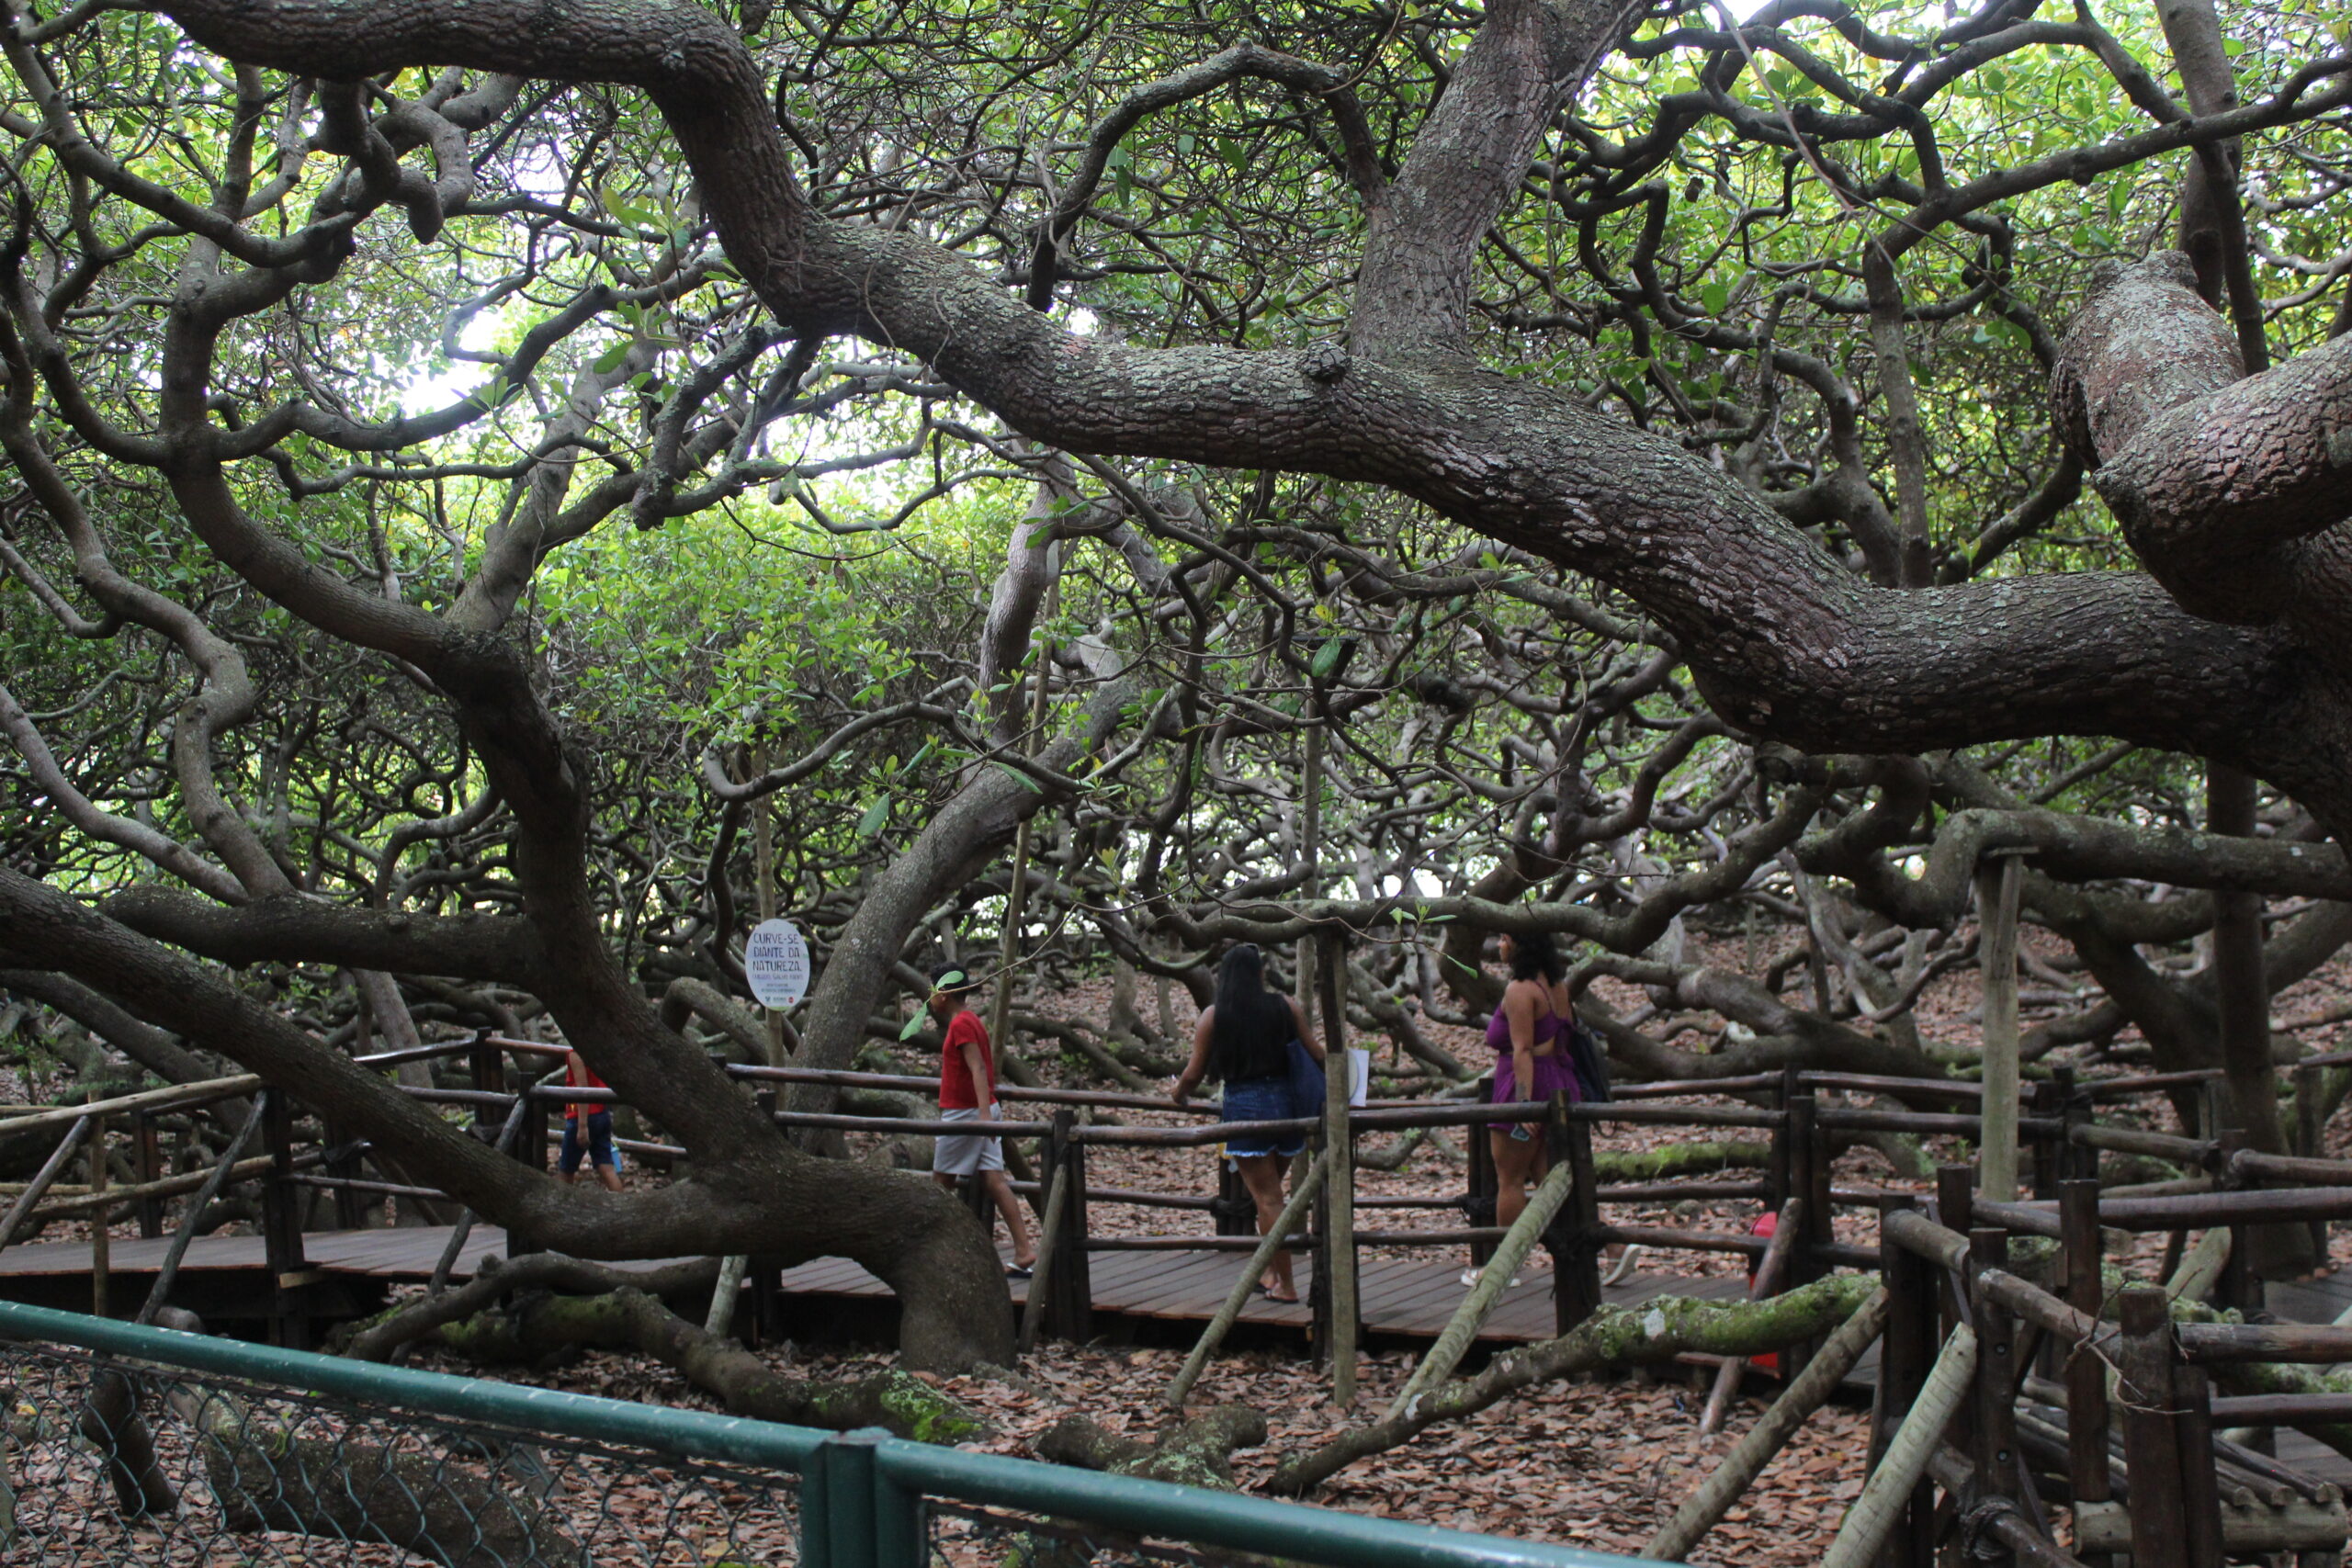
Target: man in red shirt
588,1129
968,1093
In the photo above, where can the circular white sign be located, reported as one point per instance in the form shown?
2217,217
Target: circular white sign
776,962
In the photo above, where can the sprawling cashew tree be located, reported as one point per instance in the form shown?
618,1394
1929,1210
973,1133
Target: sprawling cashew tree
235,221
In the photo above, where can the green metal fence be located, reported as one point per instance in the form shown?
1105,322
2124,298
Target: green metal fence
124,1444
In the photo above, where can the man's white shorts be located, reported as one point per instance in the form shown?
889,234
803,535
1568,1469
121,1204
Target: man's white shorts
961,1154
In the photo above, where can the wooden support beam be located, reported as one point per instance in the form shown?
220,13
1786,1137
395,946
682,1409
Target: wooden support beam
1340,1187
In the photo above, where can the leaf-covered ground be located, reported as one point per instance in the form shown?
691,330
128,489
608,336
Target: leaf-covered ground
1597,1464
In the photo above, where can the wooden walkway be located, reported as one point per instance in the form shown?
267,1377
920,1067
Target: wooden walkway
1409,1298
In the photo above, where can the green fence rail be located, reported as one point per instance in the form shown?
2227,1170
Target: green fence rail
132,1444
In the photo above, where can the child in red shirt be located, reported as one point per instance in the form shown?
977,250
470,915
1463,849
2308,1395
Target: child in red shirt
968,1093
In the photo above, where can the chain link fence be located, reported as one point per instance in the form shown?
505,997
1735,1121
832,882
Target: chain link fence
129,1445
109,1461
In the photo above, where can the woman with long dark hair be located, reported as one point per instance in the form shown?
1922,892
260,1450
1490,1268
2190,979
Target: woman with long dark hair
1528,1035
1243,1041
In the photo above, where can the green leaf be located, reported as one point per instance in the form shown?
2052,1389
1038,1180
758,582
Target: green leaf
875,816
611,359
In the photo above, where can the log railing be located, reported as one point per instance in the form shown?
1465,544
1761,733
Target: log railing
1786,1108
2143,1471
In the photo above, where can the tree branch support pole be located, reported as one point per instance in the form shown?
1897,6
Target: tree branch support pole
160,1292
1749,1457
1770,1271
1493,1280
1997,953
1886,1496
763,879
1016,897
1301,1197
2241,1004
1340,1184
1310,845
724,1294
20,1212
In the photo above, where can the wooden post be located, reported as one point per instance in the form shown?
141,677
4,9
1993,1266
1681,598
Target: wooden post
1340,1248
1905,1356
2238,1286
2311,1134
2082,1160
1996,949
1319,1247
486,1065
1479,1201
531,1142
101,1244
1779,1174
766,1272
2050,1097
2086,1373
1992,1427
2151,1447
1070,1290
282,1228
2200,1493
148,1154
1805,1181
1234,1212
1808,1178
1576,1265
1956,1197
349,1208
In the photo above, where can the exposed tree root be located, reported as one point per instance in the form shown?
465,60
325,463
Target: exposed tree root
628,1318
1199,1452
353,1488
1616,1336
376,1338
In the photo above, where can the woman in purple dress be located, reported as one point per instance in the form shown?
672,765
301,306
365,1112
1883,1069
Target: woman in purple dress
1529,1035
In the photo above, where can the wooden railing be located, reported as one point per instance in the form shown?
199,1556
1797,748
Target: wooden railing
511,1110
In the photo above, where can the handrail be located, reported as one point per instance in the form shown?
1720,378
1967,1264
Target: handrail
145,1099
827,1461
